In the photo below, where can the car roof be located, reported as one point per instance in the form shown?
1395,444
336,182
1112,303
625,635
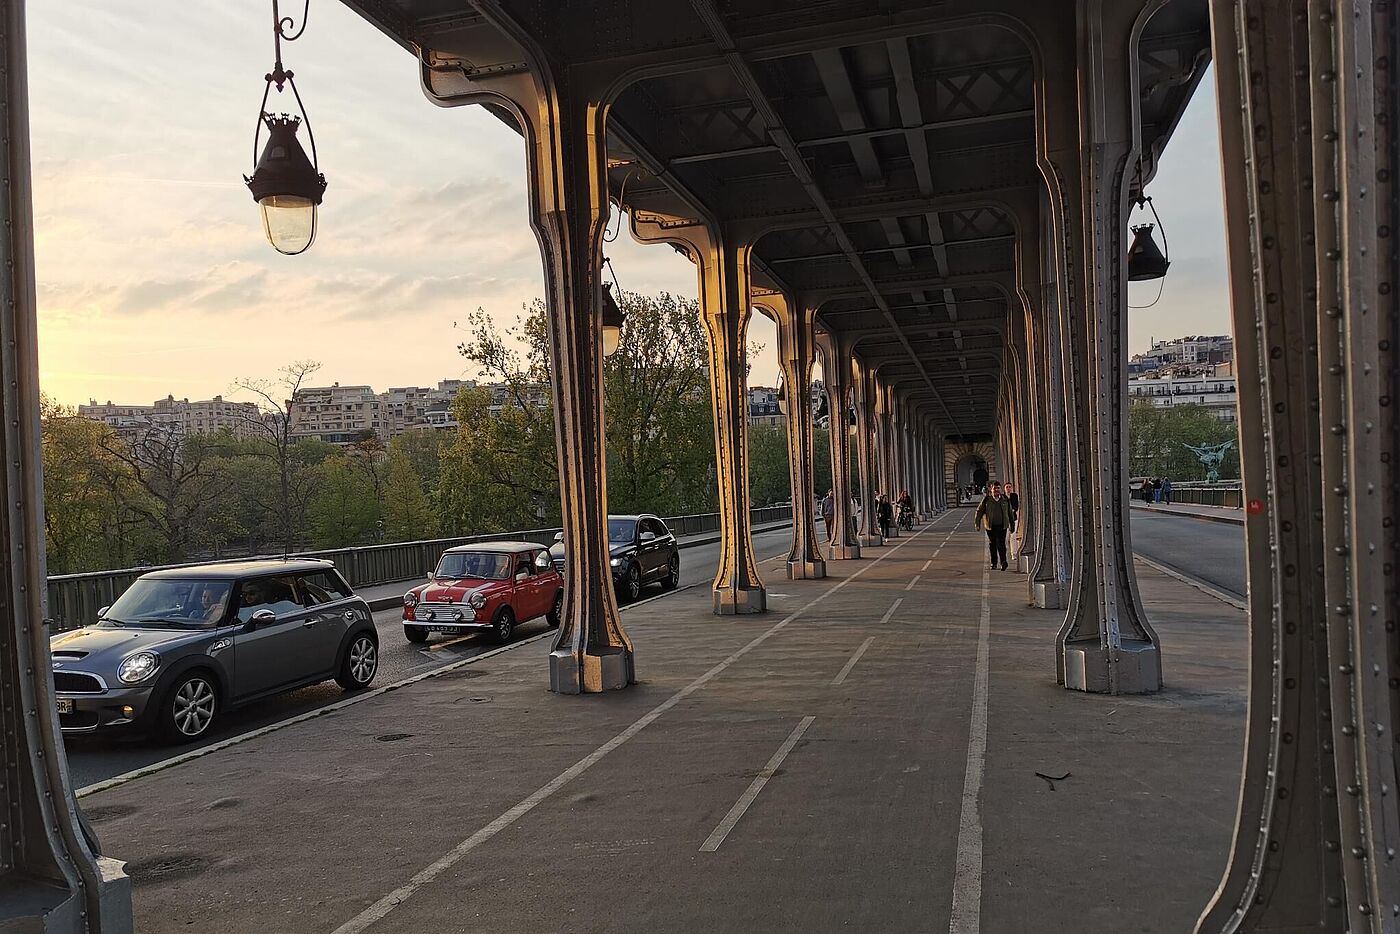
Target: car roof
234,570
510,547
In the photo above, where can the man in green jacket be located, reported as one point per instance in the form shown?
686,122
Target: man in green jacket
995,515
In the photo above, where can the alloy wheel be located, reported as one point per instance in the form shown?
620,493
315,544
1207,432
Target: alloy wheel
364,660
193,709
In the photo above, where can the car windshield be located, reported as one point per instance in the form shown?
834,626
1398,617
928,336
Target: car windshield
622,530
170,603
479,565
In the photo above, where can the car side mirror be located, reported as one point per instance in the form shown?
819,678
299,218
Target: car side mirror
262,617
648,537
558,536
103,612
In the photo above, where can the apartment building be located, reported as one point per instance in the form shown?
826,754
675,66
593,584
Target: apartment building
1210,386
177,416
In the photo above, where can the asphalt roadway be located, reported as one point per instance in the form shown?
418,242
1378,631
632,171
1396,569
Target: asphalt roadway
1210,551
95,757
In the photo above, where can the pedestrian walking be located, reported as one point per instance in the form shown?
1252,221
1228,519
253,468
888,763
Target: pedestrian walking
886,514
829,516
1015,500
994,515
1167,490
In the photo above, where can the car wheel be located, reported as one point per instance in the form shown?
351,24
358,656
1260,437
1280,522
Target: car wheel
189,708
360,664
555,615
632,584
672,580
416,633
503,627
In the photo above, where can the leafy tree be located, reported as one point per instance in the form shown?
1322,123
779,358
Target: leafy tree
272,429
89,522
408,513
770,481
342,511
1158,435
181,480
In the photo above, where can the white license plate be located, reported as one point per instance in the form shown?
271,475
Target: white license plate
65,705
449,629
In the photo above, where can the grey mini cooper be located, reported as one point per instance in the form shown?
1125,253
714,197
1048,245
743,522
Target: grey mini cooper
182,646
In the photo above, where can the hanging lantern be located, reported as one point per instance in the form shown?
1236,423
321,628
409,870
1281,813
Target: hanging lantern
782,396
613,318
1145,261
286,184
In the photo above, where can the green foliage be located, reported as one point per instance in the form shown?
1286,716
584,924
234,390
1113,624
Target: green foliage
343,509
408,512
769,478
1158,435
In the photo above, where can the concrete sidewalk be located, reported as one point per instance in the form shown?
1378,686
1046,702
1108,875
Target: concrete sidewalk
387,596
1209,513
818,768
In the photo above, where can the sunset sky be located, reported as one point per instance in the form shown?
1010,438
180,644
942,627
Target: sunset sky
154,276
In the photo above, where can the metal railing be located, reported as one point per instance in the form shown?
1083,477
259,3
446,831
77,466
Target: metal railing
1231,497
74,599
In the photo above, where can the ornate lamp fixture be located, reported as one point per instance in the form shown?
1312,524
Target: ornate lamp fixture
1145,261
285,183
613,318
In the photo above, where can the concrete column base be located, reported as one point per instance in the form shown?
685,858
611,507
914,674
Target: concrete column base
844,552
1024,561
894,530
1049,595
1139,668
806,570
730,601
871,541
611,669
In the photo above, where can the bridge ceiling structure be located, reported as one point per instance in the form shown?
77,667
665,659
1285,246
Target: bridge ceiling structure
874,155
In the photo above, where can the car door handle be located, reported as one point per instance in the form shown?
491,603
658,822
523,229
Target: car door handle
312,621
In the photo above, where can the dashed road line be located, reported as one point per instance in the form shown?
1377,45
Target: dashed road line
890,612
851,663
716,837
910,585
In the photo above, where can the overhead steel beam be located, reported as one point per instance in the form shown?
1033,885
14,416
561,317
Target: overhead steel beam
710,16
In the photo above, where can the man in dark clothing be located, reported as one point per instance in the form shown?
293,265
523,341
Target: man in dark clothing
994,514
886,513
829,516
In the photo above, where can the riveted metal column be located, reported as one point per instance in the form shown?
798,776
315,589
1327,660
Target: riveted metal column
866,456
725,310
1049,577
836,370
568,209
796,354
51,878
1106,643
1313,299
885,420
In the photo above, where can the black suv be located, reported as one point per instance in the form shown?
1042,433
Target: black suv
182,646
643,551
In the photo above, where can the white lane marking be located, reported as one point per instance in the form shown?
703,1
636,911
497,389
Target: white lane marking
967,876
890,612
851,663
910,585
717,836
380,909
926,564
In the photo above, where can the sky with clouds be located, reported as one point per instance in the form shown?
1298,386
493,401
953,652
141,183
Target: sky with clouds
154,277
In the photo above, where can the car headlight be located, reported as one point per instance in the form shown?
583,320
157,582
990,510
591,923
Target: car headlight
138,667
615,561
477,600
410,599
